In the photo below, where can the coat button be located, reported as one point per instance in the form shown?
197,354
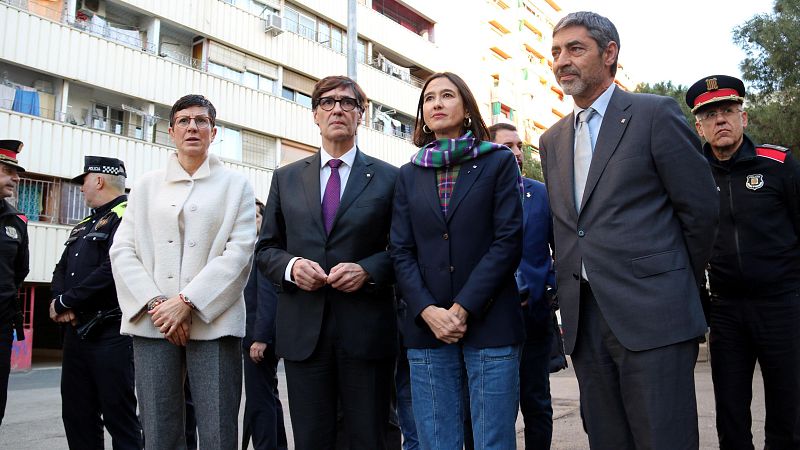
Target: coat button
575,275
192,243
452,269
581,233
445,236
193,208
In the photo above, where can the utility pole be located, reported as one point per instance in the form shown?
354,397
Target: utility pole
352,39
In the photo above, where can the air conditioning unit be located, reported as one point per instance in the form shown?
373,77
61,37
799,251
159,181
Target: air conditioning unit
273,23
91,7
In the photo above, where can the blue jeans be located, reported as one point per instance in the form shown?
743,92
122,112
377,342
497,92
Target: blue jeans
437,378
405,412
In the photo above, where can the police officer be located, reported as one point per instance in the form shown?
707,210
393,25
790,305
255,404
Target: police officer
754,273
97,368
13,260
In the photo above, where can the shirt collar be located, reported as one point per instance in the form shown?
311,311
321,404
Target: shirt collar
600,105
348,158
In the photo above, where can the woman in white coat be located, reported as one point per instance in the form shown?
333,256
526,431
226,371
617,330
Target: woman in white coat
181,258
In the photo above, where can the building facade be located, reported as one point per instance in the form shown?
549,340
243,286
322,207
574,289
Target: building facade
81,77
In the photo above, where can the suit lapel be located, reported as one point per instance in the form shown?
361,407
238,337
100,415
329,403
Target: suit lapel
565,159
614,123
425,188
311,188
469,172
360,175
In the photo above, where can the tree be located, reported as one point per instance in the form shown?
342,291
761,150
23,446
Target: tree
531,164
772,42
666,88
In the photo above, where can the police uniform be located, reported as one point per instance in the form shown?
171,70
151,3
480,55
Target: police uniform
97,375
754,276
13,269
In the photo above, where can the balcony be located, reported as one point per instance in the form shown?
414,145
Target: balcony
297,50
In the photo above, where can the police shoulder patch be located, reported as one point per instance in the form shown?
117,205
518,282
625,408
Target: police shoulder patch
773,152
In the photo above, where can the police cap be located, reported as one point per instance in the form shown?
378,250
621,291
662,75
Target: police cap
9,149
100,164
715,88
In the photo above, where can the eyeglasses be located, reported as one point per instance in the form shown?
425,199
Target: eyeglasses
347,103
201,122
727,113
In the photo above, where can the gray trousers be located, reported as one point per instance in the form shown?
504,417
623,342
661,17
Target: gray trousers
633,400
214,369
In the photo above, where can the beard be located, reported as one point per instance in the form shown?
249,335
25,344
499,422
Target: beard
579,85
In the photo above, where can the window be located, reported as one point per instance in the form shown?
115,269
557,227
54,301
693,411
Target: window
303,99
258,82
225,72
337,40
362,52
258,149
324,33
299,23
228,143
296,96
255,7
308,26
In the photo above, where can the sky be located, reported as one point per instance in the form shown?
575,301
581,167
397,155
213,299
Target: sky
676,40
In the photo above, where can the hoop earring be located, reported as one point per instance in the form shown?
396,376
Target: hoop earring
425,129
468,122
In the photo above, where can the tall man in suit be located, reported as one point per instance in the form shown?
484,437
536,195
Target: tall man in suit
635,212
324,245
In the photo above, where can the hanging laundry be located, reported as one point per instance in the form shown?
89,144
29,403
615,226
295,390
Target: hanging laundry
26,102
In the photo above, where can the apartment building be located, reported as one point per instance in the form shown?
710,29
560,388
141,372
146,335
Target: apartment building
80,77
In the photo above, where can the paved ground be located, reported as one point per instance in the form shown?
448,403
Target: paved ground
33,418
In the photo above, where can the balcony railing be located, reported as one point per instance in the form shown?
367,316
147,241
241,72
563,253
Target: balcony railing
50,201
101,123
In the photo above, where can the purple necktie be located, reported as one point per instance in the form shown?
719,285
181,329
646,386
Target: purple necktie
330,201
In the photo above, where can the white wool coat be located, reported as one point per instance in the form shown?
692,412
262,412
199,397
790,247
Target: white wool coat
189,234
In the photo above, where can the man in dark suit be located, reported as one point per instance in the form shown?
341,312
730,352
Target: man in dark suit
635,211
534,275
324,245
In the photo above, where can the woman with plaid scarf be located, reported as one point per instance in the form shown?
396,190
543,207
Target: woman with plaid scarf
456,241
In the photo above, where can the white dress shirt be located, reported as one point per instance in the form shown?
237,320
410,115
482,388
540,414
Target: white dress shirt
325,173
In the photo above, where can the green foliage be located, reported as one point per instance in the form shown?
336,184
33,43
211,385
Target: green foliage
531,164
772,67
666,88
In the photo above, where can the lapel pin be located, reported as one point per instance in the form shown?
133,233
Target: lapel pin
369,175
622,121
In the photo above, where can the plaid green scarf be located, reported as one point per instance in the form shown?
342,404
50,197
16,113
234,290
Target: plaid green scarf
450,152
447,155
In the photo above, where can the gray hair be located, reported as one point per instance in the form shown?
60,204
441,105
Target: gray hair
600,29
116,182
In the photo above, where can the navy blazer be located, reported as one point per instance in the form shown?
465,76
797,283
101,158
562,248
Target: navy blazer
261,302
536,267
468,257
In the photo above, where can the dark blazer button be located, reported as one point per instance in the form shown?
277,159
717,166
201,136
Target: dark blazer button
575,275
581,233
445,236
452,269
